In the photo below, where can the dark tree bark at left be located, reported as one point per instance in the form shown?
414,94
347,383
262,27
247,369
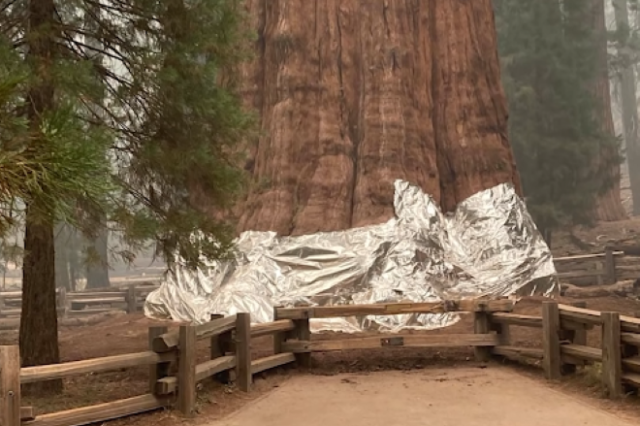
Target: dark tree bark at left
39,319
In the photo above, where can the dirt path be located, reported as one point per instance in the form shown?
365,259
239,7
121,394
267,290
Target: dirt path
496,396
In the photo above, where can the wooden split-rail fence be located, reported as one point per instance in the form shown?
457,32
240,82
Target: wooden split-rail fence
174,372
79,304
607,267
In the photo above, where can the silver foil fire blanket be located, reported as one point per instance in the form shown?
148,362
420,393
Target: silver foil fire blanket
488,247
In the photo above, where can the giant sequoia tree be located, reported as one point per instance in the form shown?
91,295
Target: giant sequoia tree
355,94
627,56
125,123
609,202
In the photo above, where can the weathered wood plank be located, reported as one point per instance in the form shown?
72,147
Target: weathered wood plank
632,364
169,341
215,327
591,317
100,412
552,361
272,361
279,338
631,379
611,354
581,315
582,352
169,385
610,266
10,402
481,326
513,352
516,319
631,339
187,370
159,370
115,362
501,305
392,340
266,329
215,366
586,256
243,351
26,414
131,299
97,300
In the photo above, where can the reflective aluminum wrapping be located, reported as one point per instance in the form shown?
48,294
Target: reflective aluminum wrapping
488,247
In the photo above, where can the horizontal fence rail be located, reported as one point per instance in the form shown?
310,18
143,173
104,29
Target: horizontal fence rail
608,267
174,371
79,304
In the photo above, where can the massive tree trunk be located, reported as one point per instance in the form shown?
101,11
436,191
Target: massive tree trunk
39,320
609,205
355,94
629,106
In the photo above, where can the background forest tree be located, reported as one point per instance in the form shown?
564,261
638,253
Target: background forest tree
554,63
625,62
116,114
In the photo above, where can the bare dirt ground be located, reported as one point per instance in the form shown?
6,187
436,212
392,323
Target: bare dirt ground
126,334
496,395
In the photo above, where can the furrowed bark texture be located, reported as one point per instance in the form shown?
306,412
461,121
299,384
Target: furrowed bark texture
39,320
609,205
355,94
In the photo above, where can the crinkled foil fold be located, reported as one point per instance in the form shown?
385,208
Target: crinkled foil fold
488,247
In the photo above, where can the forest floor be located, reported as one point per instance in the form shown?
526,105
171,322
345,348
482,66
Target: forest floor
128,333
497,395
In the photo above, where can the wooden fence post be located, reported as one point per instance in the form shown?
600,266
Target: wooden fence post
160,370
611,354
9,386
610,266
243,351
132,300
481,326
576,336
502,330
187,370
278,338
302,332
221,345
552,360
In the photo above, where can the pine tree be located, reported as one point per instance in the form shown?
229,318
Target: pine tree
160,103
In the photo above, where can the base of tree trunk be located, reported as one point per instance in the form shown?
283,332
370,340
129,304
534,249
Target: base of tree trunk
39,320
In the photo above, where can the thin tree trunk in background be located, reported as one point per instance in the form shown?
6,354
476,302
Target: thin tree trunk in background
98,265
609,205
629,110
98,268
354,94
39,320
75,266
61,247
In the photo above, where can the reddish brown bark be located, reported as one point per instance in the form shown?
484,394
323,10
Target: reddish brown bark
355,94
609,205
